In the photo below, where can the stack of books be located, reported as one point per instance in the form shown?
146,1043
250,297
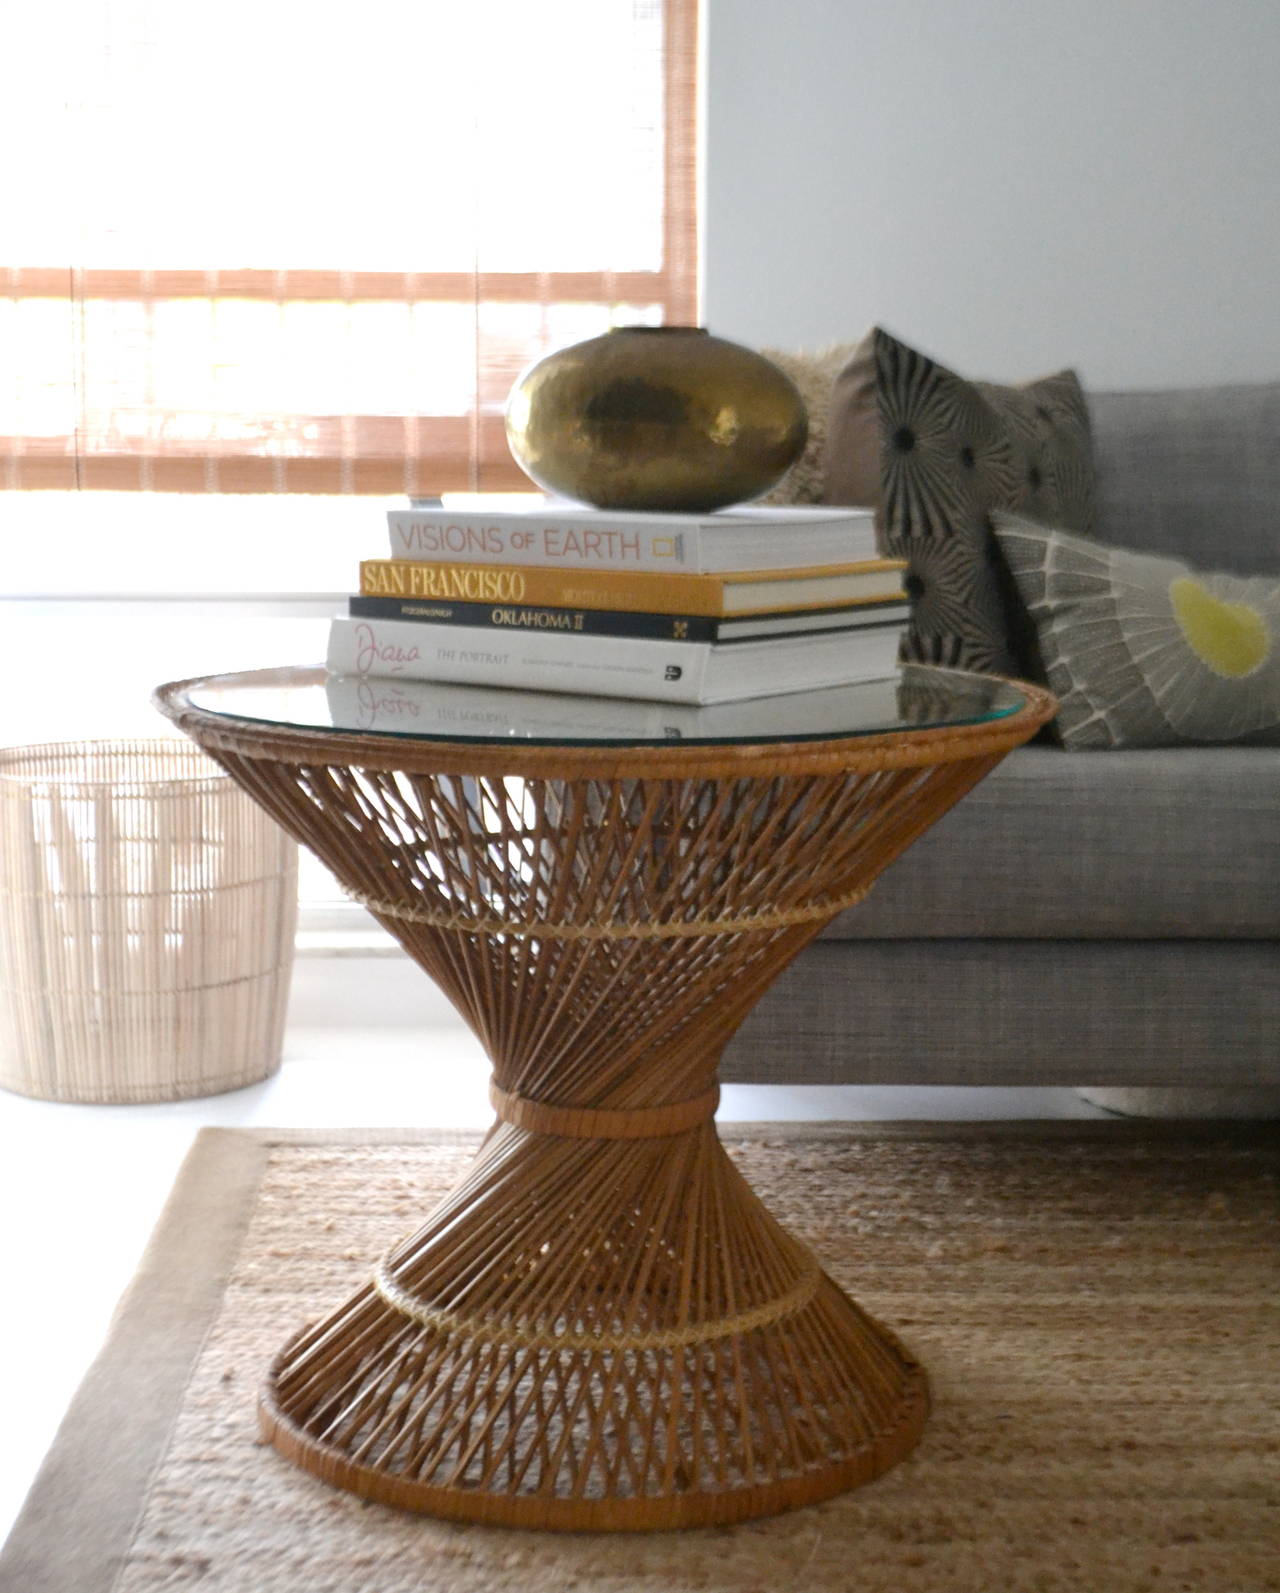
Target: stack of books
696,609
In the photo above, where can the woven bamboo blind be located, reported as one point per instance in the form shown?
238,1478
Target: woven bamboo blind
293,252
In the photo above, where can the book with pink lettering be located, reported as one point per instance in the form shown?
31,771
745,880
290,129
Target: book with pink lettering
746,537
610,666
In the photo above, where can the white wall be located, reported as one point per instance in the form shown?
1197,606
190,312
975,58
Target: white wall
1011,185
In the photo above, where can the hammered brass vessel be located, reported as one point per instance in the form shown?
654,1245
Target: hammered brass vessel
656,417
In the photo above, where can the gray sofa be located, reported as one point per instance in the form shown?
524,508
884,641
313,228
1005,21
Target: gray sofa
1086,918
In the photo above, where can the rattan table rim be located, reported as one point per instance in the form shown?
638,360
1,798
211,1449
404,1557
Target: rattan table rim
899,748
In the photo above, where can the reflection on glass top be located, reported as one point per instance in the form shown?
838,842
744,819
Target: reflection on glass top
916,698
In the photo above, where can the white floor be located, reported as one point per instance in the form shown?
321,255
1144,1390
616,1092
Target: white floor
81,1187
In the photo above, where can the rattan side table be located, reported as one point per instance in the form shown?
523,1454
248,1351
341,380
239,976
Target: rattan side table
601,1327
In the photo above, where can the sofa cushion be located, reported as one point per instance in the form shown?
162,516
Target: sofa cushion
935,453
1159,843
1194,473
1143,651
1014,1012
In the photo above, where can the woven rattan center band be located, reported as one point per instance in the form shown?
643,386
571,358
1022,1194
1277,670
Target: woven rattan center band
640,929
586,1122
495,1330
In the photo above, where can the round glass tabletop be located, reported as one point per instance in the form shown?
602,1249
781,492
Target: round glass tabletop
914,698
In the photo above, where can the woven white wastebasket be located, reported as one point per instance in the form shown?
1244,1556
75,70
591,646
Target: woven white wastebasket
147,915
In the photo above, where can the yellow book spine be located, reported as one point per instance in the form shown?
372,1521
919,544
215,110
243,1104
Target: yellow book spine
535,584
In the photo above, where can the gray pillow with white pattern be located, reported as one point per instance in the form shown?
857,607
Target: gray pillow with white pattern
1142,650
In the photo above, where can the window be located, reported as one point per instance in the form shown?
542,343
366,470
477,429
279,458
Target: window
271,248
265,270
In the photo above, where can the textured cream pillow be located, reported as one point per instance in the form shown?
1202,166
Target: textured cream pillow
1144,651
814,374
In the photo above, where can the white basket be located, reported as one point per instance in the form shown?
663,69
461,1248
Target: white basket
147,916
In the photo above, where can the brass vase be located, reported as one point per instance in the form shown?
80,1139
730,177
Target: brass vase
656,417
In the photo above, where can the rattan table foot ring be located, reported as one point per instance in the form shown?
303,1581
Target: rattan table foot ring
601,1327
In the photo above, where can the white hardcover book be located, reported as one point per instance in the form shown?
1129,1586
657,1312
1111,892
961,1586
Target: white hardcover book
435,709
785,537
657,671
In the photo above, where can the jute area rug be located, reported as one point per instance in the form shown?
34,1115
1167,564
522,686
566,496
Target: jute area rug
1097,1306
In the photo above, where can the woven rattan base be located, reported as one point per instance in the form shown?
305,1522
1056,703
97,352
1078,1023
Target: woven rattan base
601,1327
613,1392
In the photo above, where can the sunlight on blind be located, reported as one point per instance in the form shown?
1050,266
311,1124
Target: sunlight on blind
398,137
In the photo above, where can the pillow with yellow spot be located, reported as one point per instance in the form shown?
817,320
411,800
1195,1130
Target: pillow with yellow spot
1144,651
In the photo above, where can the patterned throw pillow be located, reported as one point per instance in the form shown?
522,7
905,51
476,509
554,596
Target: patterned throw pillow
937,454
1143,651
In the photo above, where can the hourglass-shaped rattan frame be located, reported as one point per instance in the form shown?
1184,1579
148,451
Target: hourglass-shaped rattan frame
601,1327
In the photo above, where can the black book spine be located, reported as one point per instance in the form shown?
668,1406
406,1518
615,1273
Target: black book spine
513,616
